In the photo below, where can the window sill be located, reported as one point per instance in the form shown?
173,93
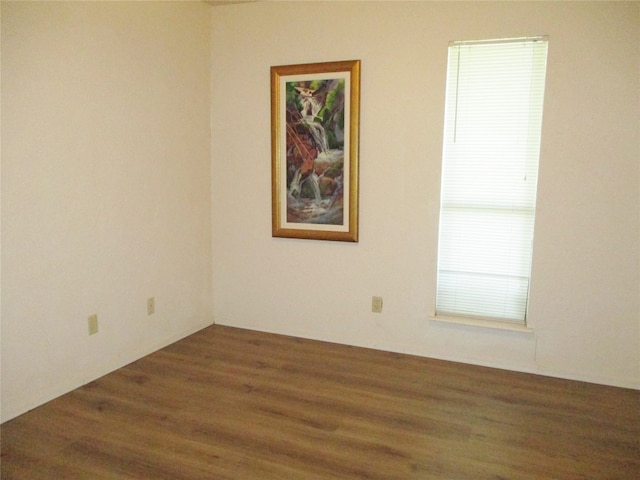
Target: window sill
482,323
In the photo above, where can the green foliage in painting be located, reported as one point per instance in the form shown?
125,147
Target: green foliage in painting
292,95
316,84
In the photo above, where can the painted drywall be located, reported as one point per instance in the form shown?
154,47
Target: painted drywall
584,306
106,194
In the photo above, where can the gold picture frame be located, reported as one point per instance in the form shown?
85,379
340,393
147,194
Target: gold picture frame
315,121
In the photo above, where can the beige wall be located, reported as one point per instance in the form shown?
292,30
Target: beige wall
584,306
105,188
113,191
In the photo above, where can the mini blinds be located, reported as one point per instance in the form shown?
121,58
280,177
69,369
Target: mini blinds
493,118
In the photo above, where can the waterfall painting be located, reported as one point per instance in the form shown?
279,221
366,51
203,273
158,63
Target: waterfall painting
315,112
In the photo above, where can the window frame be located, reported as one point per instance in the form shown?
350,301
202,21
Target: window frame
464,314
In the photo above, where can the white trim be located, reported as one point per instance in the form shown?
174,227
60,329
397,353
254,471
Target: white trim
534,39
482,323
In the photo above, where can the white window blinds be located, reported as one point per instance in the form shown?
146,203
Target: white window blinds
493,119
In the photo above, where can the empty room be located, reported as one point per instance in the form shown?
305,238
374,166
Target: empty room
169,310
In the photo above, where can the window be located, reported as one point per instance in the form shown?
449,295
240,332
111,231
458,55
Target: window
493,119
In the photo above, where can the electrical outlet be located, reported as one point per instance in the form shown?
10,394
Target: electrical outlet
151,306
376,304
93,324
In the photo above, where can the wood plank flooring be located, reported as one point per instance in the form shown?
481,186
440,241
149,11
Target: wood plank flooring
227,403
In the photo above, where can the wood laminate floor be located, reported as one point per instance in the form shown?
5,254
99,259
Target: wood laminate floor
227,403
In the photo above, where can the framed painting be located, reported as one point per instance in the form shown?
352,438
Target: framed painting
315,117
